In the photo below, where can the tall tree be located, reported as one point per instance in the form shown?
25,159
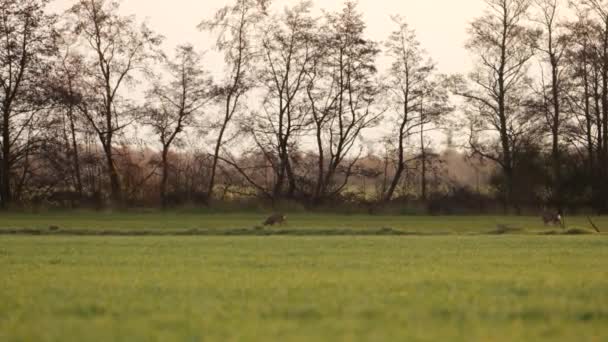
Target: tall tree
288,49
116,49
236,27
342,90
582,58
599,9
410,82
27,38
66,85
434,105
176,105
503,46
553,47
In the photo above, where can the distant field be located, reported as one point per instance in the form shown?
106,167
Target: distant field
172,221
448,288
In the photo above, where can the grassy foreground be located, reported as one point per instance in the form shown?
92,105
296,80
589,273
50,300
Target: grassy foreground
180,221
449,288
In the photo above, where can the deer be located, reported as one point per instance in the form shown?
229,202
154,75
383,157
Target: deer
552,217
275,219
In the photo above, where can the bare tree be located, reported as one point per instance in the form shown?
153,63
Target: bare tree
236,28
434,105
288,46
580,99
342,90
176,105
553,48
410,81
600,10
115,49
27,38
504,46
67,83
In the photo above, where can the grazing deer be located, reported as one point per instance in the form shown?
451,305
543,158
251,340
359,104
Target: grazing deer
553,218
275,219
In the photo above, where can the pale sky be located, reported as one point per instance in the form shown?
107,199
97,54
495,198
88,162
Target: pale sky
441,25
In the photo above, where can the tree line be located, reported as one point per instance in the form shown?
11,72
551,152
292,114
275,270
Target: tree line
94,112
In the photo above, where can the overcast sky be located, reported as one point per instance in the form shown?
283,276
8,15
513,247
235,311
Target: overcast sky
441,25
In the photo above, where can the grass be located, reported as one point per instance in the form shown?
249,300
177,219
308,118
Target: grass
183,221
450,288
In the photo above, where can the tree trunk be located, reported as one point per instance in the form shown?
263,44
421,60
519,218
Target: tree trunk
164,179
590,151
320,166
280,178
115,191
604,127
5,178
508,183
292,182
507,165
423,183
76,155
401,158
588,119
555,152
216,156
395,182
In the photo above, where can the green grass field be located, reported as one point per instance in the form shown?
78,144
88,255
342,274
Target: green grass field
457,284
175,221
443,288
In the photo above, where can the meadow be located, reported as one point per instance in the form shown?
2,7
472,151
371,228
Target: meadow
336,278
450,288
155,222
